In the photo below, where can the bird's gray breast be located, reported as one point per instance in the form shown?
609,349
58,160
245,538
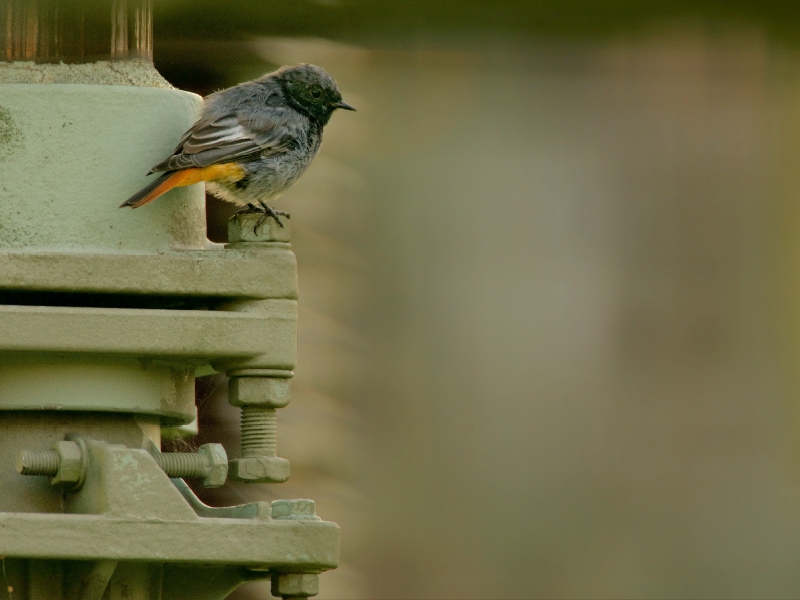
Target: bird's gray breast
271,174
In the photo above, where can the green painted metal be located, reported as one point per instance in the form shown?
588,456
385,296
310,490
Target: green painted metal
263,272
197,335
254,386
102,72
128,510
106,317
261,545
71,153
295,585
66,382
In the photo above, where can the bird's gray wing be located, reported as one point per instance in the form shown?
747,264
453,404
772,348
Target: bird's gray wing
224,140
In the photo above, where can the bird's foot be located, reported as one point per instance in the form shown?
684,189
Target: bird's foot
249,210
269,212
266,212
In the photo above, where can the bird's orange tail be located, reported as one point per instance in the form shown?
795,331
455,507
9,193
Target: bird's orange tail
153,190
172,179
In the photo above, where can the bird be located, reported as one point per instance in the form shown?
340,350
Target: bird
252,141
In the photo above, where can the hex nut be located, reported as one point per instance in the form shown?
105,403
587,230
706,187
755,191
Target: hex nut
269,392
216,459
71,464
259,469
300,510
295,585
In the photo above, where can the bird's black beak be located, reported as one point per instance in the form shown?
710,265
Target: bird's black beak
343,105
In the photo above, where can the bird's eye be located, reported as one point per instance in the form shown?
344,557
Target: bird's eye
316,93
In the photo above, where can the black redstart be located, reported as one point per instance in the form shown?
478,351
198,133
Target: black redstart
252,141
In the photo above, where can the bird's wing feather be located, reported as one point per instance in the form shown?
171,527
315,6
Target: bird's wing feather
224,140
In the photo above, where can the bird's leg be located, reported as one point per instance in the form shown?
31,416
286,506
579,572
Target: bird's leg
269,212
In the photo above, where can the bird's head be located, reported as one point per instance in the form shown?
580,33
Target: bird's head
311,90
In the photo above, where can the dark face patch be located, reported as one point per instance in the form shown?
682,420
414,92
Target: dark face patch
311,90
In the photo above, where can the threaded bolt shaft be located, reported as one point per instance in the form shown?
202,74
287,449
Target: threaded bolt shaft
259,428
67,463
38,462
183,464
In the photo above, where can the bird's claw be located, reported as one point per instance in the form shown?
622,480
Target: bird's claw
266,212
269,212
249,210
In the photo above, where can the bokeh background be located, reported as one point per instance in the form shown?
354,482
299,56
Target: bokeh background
550,279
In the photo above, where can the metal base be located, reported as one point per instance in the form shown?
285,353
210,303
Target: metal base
131,526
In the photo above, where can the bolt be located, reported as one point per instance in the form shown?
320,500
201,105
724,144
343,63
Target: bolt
210,464
65,463
37,462
258,397
295,585
259,427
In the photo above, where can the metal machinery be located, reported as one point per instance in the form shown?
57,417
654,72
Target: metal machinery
106,317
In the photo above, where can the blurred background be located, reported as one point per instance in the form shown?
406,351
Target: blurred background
550,279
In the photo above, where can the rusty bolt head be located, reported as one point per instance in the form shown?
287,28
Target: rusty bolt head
216,459
71,464
295,585
259,469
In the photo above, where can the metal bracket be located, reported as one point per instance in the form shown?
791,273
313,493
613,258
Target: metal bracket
129,511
